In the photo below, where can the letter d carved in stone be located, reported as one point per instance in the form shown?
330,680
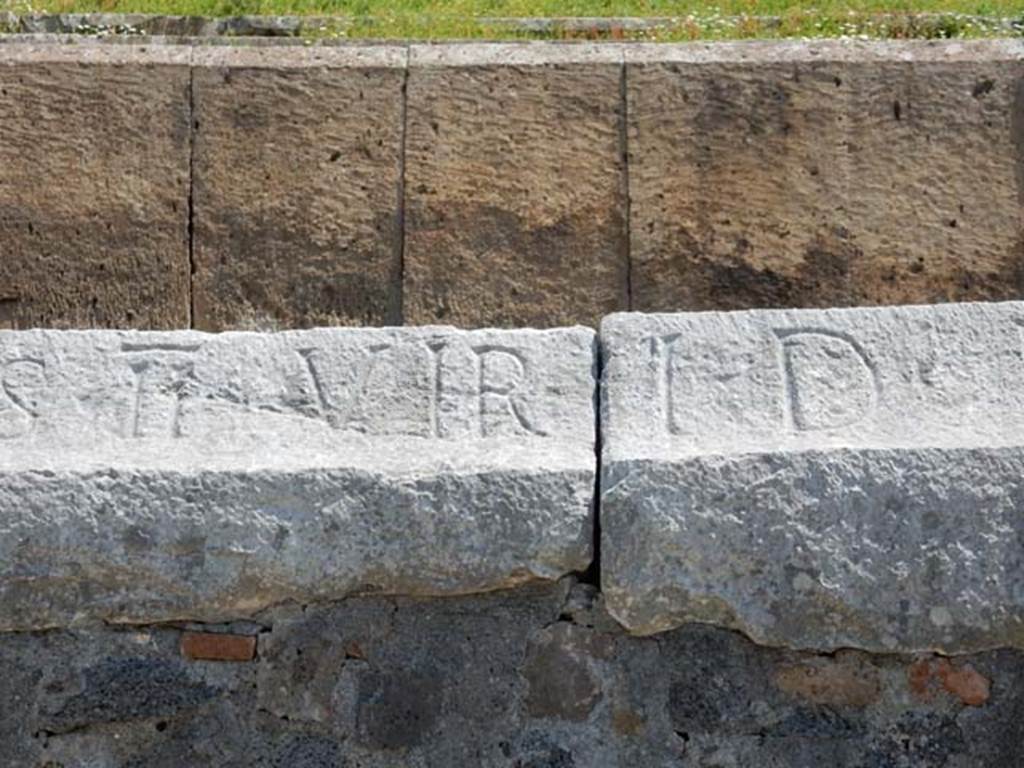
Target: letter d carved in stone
829,380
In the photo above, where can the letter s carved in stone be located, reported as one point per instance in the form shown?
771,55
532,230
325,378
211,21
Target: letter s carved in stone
21,384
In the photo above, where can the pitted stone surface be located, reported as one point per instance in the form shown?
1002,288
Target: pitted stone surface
94,183
296,187
818,478
161,476
825,173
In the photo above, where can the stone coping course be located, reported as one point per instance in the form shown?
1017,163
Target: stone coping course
160,476
817,478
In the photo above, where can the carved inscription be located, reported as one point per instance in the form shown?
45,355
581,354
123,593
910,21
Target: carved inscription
442,386
343,392
430,390
502,370
22,381
664,376
426,390
829,381
161,372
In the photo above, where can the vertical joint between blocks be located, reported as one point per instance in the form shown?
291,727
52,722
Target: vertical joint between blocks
627,255
192,130
397,302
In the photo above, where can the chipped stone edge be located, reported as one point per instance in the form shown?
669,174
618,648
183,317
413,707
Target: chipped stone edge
291,52
520,54
295,57
833,50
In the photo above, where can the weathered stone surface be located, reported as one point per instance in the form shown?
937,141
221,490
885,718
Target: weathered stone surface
148,477
818,478
827,173
514,179
94,165
296,198
458,681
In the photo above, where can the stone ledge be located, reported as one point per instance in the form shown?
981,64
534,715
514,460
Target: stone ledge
818,479
157,477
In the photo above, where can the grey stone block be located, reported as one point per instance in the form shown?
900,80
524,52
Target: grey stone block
160,476
818,478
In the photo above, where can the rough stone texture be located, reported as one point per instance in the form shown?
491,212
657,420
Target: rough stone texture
825,174
818,479
514,185
149,477
820,173
378,682
94,165
296,198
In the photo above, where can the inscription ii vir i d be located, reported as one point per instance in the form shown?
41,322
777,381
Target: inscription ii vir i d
437,388
823,379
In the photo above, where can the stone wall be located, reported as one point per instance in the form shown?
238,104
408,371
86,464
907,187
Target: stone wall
539,677
775,538
779,537
210,185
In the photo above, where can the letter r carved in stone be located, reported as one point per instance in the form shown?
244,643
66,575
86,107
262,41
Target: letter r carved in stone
502,408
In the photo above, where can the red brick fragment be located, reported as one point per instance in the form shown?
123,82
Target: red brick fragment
966,683
211,646
963,681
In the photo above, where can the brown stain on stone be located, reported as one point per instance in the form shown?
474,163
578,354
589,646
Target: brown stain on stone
353,650
210,646
627,723
252,272
482,265
745,279
927,677
841,682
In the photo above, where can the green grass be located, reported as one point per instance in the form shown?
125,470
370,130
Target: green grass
690,19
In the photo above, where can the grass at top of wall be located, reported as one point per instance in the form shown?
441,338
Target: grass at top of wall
689,19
